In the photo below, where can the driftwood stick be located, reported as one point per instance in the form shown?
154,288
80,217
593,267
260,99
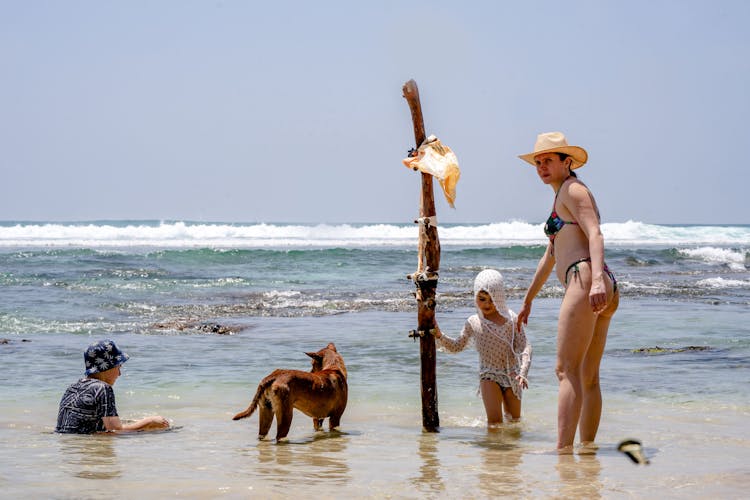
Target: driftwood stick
426,276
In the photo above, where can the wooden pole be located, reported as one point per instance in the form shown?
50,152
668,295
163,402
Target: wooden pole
426,276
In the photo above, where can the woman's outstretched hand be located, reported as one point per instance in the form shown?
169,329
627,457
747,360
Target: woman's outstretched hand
523,315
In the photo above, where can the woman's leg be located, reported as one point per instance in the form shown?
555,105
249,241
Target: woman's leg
591,410
575,330
492,396
512,403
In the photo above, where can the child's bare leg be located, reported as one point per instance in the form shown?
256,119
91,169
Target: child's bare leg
512,403
492,397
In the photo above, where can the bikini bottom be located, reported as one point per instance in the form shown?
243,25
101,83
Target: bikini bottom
504,382
574,266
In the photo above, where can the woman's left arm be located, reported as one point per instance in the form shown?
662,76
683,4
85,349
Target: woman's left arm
581,204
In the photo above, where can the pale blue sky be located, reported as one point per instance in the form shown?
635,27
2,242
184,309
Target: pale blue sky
292,111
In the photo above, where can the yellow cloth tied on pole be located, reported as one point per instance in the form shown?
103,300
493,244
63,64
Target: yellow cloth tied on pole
437,159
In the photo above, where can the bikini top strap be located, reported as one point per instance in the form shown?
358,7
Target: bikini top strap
557,193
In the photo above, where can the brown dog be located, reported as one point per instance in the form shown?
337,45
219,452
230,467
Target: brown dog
319,393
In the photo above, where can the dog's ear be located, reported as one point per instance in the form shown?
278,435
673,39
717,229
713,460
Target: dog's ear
314,355
332,347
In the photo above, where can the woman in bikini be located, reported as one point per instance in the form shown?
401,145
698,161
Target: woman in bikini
576,252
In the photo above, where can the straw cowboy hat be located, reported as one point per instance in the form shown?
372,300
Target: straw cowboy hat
555,142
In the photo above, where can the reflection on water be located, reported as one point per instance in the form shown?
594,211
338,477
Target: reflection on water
501,456
579,476
429,479
495,473
89,456
319,458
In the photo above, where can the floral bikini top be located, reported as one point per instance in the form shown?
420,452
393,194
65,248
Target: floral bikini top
554,224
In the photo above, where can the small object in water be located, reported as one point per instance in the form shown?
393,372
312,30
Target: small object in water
215,328
634,450
670,350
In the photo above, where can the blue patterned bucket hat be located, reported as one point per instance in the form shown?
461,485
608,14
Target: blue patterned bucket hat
102,356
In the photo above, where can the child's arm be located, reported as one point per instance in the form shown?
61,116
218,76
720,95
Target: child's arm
454,345
114,424
522,344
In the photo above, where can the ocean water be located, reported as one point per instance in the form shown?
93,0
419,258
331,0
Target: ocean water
207,310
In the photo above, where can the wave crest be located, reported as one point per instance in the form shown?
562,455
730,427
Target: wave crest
181,234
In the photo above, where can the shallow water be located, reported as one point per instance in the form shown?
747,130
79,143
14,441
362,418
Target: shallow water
689,407
694,433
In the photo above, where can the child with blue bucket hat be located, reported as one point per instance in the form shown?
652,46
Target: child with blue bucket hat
88,405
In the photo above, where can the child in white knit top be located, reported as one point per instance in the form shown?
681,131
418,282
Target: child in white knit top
504,353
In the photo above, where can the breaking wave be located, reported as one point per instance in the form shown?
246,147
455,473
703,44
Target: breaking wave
179,234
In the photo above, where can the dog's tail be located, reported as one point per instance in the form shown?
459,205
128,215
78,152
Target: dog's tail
264,384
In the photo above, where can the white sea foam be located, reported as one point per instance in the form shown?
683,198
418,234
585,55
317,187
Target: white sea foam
197,235
734,259
639,233
720,283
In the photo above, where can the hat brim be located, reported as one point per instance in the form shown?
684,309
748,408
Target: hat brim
119,360
577,153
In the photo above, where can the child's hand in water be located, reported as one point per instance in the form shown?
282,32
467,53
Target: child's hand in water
157,422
